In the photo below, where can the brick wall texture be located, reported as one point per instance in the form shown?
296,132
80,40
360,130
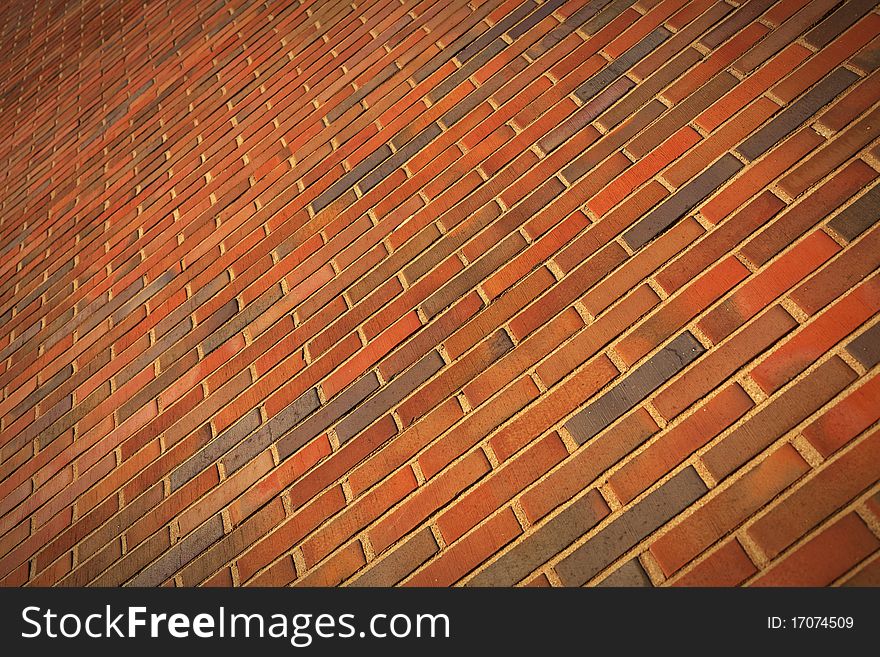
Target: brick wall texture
487,293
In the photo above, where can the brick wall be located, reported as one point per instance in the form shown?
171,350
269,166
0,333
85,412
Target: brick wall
433,293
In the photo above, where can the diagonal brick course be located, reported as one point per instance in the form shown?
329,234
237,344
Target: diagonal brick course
471,293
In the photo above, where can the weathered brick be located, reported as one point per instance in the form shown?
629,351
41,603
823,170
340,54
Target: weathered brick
629,575
796,114
776,418
541,546
684,200
814,207
835,484
634,525
866,347
180,554
634,388
845,271
825,557
399,562
357,515
726,509
497,489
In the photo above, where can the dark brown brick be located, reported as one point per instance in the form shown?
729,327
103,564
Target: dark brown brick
648,88
620,65
469,68
681,113
237,323
796,114
637,385
745,14
858,217
585,115
684,200
450,242
400,562
341,404
211,557
273,430
348,181
629,575
180,554
373,408
551,538
157,385
633,526
400,157
866,347
216,448
838,21
534,18
502,26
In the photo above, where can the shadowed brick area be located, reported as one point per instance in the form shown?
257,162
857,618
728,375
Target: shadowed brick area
404,292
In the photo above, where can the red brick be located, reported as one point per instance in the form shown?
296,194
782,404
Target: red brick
468,553
720,142
664,249
816,338
835,153
825,60
716,62
855,263
608,226
567,290
359,514
599,333
812,209
370,354
675,445
644,169
579,471
432,496
720,363
404,446
527,353
268,487
725,510
856,101
289,533
675,313
337,568
835,484
729,565
849,417
768,168
501,486
754,85
806,256
825,557
552,407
